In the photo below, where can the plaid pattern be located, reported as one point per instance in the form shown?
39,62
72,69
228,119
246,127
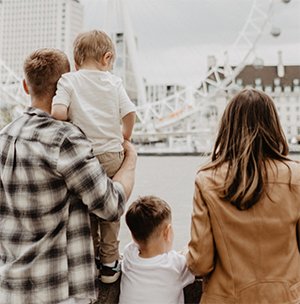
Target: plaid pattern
49,183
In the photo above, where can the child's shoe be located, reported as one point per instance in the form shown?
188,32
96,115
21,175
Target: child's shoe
98,263
110,275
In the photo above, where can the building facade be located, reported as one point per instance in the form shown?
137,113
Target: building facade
30,24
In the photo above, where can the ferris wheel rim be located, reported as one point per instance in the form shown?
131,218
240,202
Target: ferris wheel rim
219,69
260,12
248,27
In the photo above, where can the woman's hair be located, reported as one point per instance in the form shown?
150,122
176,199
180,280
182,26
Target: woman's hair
250,133
42,70
92,45
145,216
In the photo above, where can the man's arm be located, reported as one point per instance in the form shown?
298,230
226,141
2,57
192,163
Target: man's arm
126,174
84,176
127,125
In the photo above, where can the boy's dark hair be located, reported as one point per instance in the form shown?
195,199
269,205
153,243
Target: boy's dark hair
145,215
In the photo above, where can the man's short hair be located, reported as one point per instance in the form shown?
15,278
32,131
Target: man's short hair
92,45
42,70
145,216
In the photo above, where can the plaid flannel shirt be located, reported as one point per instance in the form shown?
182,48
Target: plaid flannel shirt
49,182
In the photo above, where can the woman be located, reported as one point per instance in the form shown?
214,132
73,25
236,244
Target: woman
245,222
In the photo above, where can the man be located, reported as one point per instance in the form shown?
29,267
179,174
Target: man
49,183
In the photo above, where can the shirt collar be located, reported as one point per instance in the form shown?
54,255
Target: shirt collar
35,111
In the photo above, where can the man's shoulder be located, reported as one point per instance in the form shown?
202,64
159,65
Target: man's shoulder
37,125
62,130
66,128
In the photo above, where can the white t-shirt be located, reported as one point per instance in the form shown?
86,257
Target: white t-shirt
97,101
158,280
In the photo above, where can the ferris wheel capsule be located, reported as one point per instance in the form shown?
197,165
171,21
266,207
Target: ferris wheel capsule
275,31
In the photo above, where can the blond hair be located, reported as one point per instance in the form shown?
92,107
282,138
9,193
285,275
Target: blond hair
249,135
92,45
42,70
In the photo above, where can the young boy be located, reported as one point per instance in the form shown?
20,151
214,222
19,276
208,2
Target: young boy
96,101
151,271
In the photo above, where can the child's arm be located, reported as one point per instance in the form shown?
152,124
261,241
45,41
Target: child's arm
127,125
59,111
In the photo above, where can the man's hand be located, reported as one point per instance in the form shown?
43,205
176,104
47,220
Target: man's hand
126,173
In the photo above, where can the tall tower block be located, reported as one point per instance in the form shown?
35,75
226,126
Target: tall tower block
31,24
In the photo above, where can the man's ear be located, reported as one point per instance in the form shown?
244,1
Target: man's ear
25,87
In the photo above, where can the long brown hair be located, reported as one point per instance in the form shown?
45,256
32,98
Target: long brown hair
250,133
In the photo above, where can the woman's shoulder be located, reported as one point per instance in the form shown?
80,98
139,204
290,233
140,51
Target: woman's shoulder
207,174
282,171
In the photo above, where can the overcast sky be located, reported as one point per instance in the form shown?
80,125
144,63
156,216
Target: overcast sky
176,36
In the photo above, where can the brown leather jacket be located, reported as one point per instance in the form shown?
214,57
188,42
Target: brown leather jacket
250,256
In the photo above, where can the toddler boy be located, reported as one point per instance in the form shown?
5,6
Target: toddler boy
95,100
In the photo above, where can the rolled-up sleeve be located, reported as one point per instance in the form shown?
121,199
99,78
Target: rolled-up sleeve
85,177
200,256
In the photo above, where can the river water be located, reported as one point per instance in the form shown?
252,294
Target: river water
172,179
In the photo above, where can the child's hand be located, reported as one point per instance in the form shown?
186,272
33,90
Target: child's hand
129,149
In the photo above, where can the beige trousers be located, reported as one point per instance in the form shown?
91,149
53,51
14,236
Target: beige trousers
104,233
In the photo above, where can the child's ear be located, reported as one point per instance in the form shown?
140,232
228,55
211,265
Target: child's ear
25,87
107,58
168,233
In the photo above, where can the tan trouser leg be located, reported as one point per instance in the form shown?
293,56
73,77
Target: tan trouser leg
106,243
109,243
111,162
104,233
